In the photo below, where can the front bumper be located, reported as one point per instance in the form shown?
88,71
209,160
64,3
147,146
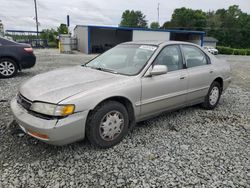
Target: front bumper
59,131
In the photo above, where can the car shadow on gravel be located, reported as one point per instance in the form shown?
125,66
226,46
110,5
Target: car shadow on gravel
167,115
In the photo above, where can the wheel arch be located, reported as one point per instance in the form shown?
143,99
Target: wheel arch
124,101
13,59
220,81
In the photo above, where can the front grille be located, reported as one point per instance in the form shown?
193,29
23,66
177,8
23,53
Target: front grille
24,102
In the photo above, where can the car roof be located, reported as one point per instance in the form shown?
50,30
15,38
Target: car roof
157,42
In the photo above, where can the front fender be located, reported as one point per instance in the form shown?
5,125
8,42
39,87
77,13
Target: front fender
131,90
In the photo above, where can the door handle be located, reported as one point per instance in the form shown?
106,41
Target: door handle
183,77
211,72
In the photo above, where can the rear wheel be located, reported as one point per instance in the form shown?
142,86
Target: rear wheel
107,125
213,96
8,68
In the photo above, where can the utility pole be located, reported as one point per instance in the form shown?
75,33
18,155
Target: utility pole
158,10
36,24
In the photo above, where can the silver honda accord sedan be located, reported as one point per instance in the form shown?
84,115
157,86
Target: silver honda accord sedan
104,98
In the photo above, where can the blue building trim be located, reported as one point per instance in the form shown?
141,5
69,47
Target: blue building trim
143,29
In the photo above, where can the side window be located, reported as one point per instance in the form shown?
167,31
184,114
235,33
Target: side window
194,56
171,57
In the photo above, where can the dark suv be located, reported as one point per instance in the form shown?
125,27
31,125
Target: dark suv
14,57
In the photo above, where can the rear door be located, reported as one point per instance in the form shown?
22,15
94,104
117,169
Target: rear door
166,91
200,72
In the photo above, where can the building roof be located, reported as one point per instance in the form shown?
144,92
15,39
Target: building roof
143,29
210,39
22,31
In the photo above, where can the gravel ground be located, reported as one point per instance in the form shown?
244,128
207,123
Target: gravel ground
191,147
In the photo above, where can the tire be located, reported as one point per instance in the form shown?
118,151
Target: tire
113,117
213,96
8,68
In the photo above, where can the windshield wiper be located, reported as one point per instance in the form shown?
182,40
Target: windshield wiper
101,69
104,69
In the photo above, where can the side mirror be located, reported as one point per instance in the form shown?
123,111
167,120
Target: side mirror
158,70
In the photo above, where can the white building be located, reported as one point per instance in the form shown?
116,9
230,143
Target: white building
97,39
210,41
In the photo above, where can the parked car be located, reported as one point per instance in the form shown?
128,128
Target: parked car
211,49
106,97
14,57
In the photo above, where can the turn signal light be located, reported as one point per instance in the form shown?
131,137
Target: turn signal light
38,135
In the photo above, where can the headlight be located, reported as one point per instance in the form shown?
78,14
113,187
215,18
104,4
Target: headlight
52,109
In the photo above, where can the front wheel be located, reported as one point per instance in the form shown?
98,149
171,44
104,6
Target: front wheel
107,124
213,96
8,68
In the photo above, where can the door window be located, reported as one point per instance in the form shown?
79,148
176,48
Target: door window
194,56
171,57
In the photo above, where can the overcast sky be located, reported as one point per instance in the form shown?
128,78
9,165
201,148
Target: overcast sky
19,14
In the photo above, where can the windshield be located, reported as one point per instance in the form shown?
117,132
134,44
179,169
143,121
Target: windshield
124,59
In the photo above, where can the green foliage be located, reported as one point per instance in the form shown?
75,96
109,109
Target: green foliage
232,51
236,52
49,34
225,50
154,25
133,19
52,34
242,52
230,26
62,29
53,44
239,51
187,18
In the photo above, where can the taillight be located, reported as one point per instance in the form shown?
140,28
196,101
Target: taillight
28,49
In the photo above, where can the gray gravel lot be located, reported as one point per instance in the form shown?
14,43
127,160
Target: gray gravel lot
191,147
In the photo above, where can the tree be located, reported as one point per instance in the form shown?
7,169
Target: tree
188,19
49,34
62,29
167,25
133,19
230,26
154,25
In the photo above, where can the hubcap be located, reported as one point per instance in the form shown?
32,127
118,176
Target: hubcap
214,95
7,68
111,125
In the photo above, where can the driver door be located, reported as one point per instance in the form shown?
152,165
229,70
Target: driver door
166,91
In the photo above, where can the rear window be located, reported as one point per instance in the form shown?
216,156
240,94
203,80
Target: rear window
6,42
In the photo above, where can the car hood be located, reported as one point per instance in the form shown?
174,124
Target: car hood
55,86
